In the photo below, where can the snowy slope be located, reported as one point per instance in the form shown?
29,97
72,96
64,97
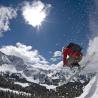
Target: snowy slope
91,90
22,84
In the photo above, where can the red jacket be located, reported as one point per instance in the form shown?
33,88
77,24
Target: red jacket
69,52
66,51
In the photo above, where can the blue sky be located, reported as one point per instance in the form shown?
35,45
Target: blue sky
67,21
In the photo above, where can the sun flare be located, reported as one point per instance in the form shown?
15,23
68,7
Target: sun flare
35,14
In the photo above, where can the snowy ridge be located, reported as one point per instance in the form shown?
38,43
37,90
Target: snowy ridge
91,90
22,84
49,86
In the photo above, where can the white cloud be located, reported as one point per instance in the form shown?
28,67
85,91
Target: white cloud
6,68
35,13
6,14
53,59
29,55
56,56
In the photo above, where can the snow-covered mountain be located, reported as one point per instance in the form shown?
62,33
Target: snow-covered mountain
51,76
15,72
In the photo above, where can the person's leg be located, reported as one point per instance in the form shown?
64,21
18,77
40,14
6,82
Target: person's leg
76,65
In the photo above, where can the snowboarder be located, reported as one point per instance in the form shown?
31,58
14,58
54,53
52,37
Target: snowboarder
72,55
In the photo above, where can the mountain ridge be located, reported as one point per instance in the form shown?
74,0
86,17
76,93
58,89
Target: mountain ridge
43,82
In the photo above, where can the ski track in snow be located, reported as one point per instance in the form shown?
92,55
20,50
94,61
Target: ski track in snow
91,90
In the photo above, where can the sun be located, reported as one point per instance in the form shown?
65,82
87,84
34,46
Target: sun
35,14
